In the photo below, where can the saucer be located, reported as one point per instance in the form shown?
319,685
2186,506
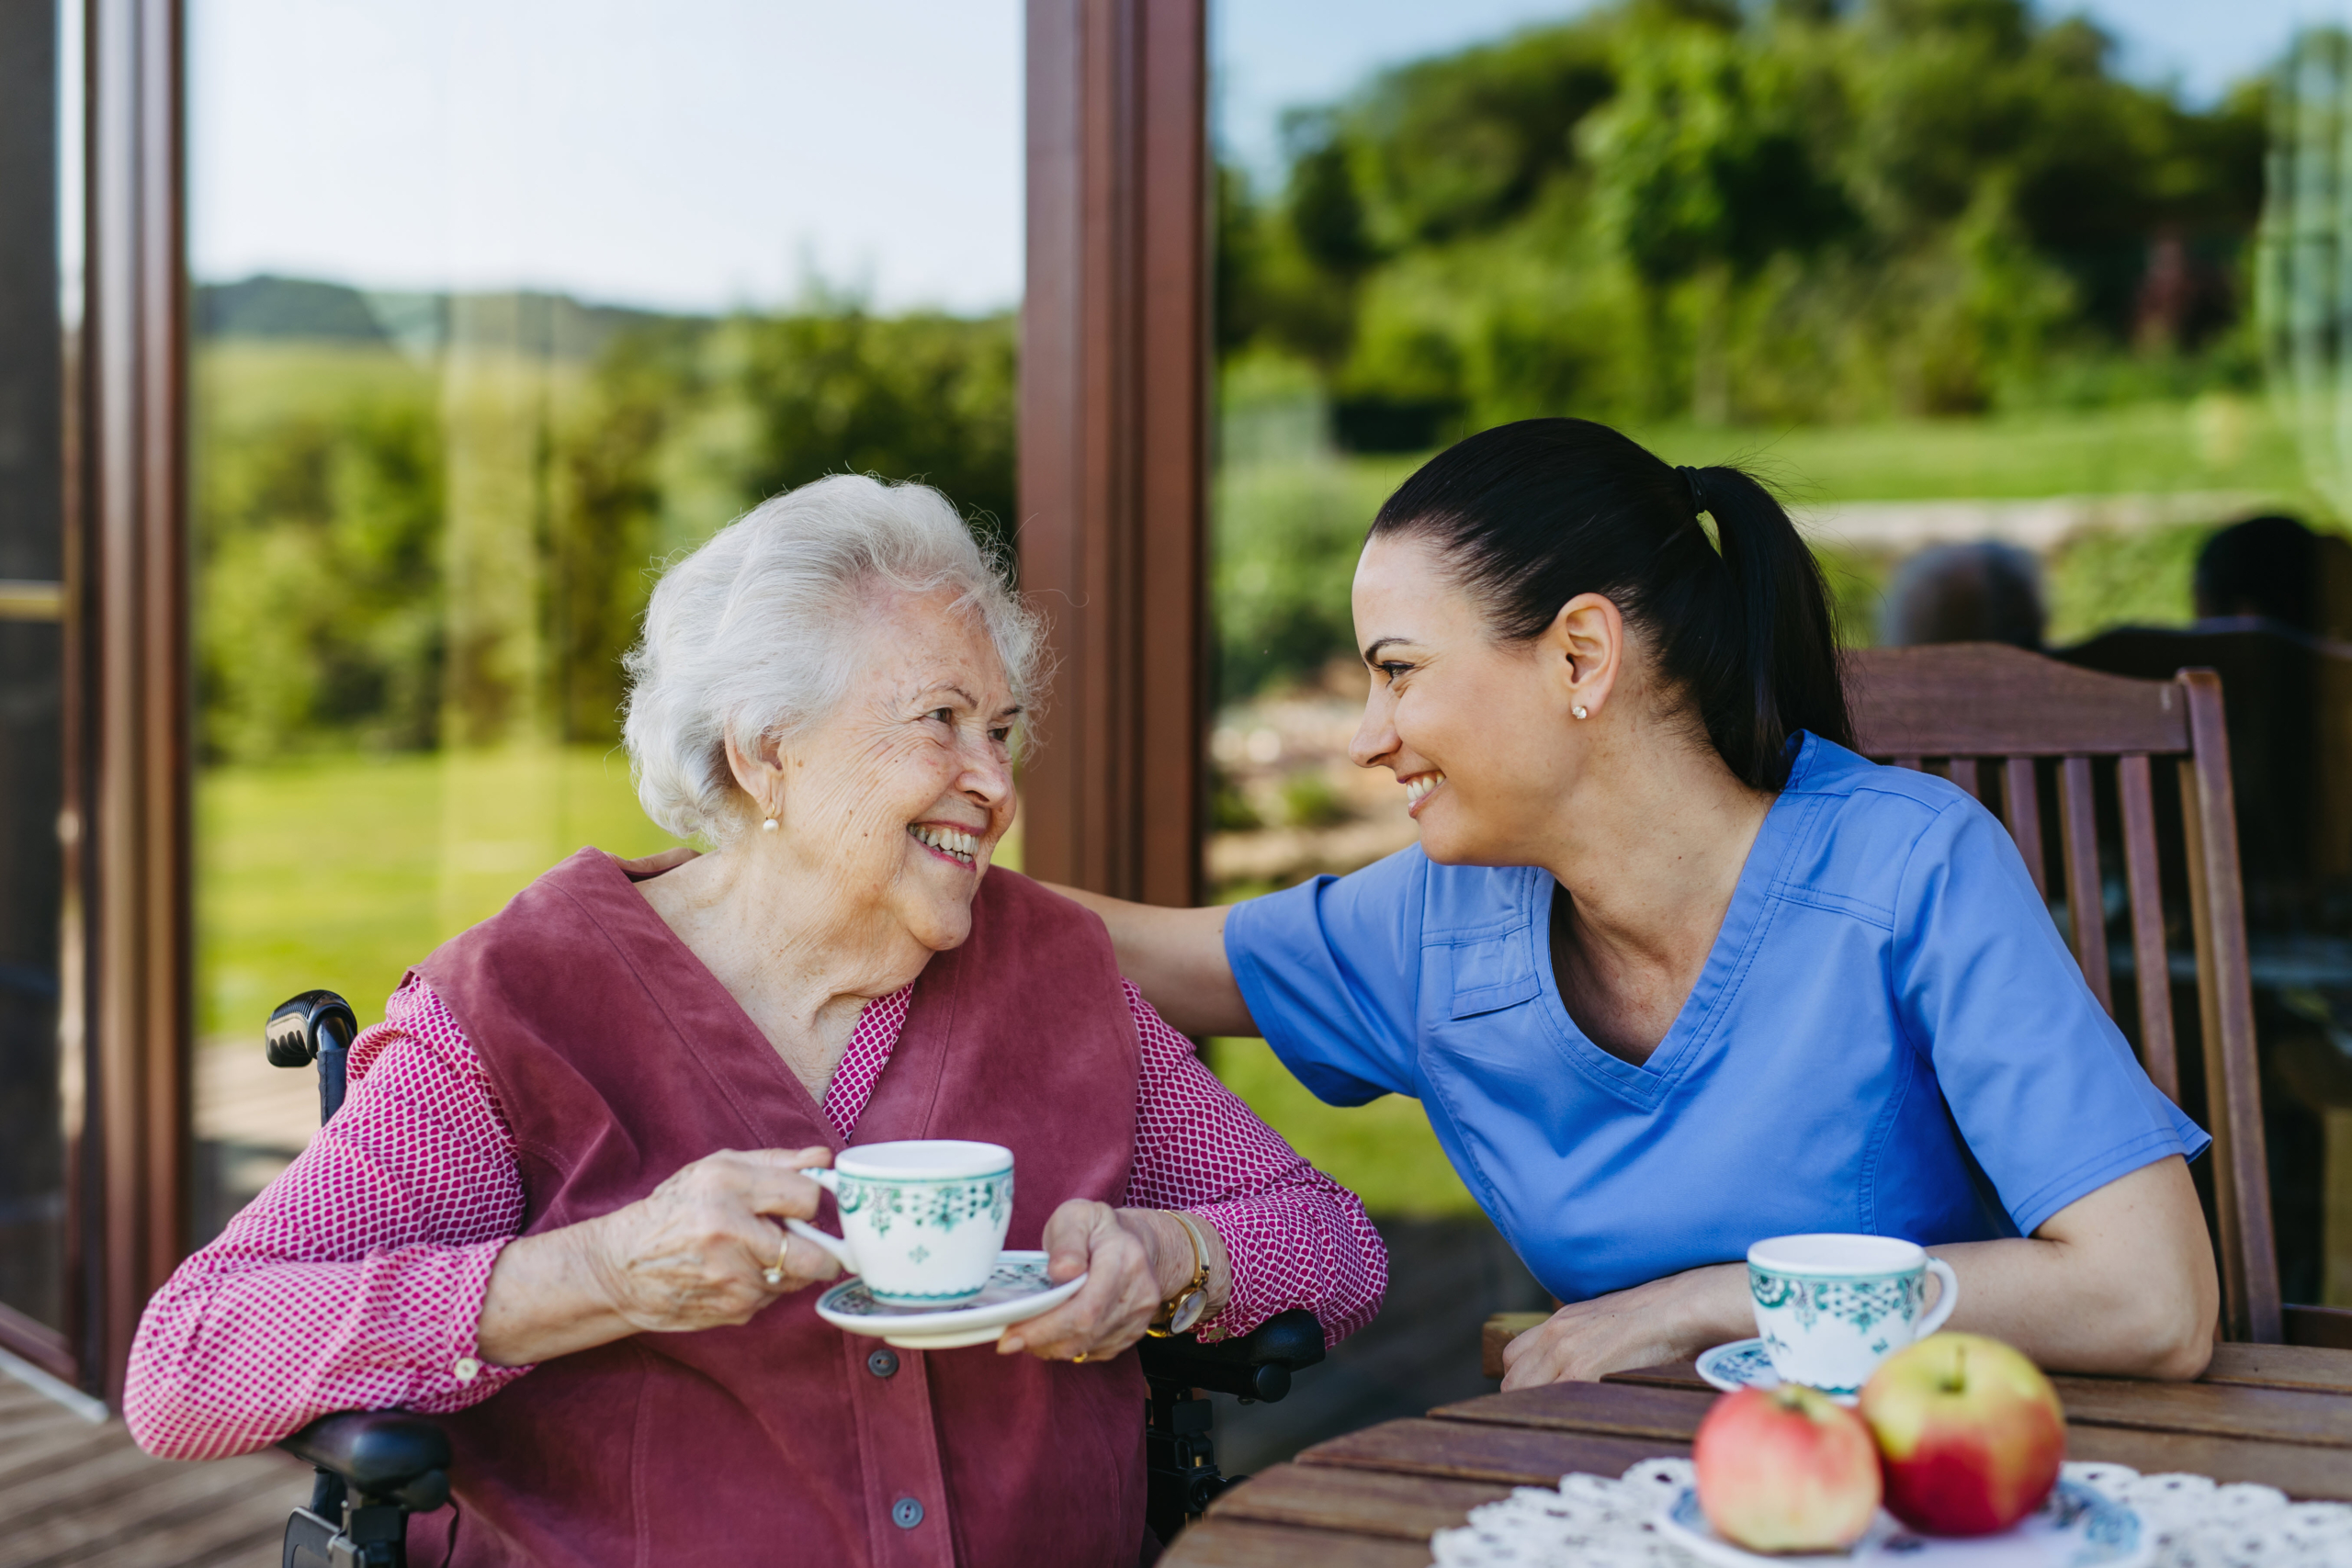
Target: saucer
1016,1292
2076,1527
1743,1364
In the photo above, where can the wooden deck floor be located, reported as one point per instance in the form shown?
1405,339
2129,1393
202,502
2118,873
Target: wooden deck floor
76,1493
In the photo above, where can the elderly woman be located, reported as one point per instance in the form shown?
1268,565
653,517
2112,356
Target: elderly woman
550,1211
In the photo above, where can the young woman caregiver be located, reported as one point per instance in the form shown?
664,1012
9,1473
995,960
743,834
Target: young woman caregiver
1671,968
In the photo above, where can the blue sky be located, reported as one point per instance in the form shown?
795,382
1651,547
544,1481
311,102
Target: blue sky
702,153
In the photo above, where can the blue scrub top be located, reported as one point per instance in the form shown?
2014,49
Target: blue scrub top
1888,1037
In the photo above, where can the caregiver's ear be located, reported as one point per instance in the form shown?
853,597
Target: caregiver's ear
1584,648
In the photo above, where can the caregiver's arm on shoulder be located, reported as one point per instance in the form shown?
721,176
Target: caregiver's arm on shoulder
1176,958
2120,1282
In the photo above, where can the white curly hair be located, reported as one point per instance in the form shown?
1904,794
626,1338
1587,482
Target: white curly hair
751,636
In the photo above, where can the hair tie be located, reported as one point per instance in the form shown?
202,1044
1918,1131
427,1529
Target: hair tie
1690,477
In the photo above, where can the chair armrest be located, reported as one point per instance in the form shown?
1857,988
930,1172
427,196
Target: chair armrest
1256,1365
1500,1330
379,1454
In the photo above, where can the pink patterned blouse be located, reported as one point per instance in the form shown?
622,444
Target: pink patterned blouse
356,1280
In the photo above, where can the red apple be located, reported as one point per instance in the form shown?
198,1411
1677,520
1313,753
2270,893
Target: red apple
1971,1432
1784,1470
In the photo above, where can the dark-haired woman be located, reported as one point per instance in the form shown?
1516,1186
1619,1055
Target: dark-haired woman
1671,968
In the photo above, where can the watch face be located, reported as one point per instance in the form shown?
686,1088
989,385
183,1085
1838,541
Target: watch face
1189,1308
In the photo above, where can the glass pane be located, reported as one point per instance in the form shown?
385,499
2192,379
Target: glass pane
1780,234
496,307
33,328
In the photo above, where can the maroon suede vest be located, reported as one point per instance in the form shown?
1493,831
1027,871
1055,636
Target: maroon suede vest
618,1058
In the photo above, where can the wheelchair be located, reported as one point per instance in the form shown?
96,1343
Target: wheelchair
377,1467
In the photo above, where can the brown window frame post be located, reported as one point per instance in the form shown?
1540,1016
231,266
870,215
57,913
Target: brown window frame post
129,672
1115,407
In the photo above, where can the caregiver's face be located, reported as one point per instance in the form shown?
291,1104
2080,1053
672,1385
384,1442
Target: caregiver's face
901,793
1475,731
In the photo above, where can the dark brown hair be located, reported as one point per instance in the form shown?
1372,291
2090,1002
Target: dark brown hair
1532,515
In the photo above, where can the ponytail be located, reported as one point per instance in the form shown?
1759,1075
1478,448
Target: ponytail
1532,515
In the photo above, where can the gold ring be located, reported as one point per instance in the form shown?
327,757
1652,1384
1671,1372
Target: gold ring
1079,1360
773,1273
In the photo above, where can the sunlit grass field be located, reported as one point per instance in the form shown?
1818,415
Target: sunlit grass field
1384,1152
342,871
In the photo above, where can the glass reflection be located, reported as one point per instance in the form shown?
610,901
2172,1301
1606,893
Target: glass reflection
36,169
433,460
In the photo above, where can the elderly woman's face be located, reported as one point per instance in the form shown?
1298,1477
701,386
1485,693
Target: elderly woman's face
900,796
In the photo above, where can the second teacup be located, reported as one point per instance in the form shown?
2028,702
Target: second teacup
922,1220
1832,1307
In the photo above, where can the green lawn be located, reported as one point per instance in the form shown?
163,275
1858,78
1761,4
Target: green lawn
342,871
1384,1152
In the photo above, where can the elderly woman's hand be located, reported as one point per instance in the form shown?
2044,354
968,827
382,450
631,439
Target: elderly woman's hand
1133,1259
694,1253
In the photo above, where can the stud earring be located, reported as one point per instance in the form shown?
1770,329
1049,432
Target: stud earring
1581,711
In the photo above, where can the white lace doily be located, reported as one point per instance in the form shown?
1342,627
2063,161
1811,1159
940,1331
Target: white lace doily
1592,1521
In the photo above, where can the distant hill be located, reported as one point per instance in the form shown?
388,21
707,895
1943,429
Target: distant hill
526,320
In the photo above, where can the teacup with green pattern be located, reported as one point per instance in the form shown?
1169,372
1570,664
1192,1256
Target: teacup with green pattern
1831,1308
922,1220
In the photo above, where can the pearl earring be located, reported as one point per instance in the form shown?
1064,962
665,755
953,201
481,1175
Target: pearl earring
1581,711
767,825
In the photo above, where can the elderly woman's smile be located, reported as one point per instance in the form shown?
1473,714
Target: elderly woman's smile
895,800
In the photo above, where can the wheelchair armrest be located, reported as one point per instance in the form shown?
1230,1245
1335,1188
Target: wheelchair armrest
380,1454
1257,1365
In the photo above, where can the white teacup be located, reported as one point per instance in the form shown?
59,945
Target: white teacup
922,1220
1832,1307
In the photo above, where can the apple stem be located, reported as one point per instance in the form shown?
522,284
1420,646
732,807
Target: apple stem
1957,1381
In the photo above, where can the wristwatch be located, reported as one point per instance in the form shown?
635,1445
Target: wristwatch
1181,1310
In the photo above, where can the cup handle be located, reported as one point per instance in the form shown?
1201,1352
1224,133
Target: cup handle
825,1177
832,1244
1947,1300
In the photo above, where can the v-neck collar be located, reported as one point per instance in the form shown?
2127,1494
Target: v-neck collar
1644,1085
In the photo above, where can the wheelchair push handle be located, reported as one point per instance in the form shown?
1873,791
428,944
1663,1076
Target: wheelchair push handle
316,1026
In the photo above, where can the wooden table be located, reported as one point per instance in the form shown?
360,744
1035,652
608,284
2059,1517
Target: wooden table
2278,1415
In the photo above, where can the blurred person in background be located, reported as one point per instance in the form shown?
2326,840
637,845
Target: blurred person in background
2272,568
1986,591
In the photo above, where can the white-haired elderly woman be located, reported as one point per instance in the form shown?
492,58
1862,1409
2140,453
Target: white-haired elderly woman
549,1213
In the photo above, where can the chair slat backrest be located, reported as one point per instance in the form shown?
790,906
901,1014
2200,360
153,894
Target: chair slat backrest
1966,704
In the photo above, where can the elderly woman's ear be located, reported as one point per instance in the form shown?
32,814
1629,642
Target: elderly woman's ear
760,776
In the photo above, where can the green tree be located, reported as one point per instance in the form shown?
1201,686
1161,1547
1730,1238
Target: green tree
920,397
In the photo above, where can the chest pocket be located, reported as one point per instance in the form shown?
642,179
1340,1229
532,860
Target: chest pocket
1493,972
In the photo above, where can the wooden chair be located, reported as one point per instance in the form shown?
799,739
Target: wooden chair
1994,720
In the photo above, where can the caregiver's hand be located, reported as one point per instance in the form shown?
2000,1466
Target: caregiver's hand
692,1254
1667,1320
1133,1259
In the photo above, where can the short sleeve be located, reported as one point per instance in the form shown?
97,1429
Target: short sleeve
2043,1087
1331,972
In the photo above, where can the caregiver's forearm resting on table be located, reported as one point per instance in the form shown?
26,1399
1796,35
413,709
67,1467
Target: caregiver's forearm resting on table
1176,958
2119,1281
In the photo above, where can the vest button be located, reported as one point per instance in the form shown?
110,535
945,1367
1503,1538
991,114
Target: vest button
882,1364
906,1513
